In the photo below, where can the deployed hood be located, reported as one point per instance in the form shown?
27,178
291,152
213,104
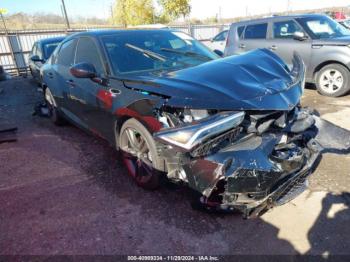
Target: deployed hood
257,80
344,40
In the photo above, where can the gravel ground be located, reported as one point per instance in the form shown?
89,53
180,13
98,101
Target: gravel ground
65,192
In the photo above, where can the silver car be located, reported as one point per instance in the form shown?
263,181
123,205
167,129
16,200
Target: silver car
218,42
323,44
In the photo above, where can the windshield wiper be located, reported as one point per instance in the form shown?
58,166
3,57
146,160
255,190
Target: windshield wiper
187,53
147,53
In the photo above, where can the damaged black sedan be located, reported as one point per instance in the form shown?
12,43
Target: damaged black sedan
232,129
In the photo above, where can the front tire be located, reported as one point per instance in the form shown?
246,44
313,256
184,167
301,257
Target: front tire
333,80
140,155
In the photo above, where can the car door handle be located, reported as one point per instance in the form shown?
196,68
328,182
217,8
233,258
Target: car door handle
114,91
70,82
273,47
242,46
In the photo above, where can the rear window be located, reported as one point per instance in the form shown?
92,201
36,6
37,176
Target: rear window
221,37
49,48
257,31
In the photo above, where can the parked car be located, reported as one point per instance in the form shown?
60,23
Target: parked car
41,51
322,43
218,42
232,129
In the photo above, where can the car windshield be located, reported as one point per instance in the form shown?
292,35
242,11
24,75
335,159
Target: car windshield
323,27
135,51
49,48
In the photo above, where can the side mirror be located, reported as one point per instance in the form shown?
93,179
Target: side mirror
83,70
300,36
36,58
219,53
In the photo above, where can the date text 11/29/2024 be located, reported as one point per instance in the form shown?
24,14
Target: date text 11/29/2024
173,258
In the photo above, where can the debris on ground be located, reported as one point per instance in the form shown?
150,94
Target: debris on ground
41,109
8,134
3,74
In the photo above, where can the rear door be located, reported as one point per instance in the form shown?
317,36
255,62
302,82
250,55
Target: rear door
58,77
254,37
282,41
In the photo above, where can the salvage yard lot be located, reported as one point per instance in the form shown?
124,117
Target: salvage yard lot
63,191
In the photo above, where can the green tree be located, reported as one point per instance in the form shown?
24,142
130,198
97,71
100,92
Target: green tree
133,12
176,8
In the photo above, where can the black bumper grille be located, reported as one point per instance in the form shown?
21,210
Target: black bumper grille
216,143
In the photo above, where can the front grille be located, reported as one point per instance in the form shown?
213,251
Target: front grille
214,144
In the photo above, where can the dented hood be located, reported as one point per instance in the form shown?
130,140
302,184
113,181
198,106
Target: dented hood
257,80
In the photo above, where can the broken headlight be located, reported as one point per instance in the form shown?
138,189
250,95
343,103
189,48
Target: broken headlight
189,136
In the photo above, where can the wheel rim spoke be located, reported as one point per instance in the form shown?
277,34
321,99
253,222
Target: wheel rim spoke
331,80
131,138
136,152
143,147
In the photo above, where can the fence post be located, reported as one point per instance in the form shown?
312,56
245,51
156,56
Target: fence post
17,54
191,29
11,51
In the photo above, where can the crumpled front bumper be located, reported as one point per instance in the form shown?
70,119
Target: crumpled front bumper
288,189
254,174
262,171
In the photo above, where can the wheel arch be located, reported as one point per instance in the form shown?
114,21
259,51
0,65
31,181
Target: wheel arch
141,110
325,63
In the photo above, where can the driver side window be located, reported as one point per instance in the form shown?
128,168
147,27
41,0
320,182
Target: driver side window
65,55
285,29
87,52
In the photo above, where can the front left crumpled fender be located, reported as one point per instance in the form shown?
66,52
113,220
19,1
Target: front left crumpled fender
331,137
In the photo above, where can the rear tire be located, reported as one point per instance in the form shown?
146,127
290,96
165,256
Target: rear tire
140,156
333,80
54,113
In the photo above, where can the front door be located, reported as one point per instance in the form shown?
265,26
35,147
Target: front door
284,44
92,100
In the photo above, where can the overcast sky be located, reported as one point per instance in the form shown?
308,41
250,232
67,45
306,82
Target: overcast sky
200,8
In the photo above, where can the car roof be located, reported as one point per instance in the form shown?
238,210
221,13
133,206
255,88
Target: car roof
115,31
51,40
97,33
271,18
